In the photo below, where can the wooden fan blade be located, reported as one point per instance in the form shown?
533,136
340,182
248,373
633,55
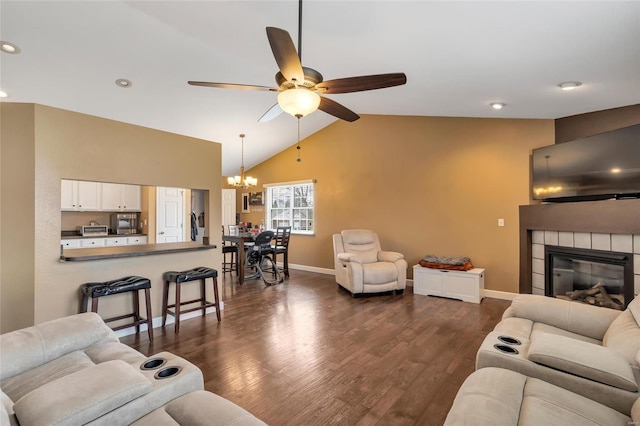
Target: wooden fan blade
362,83
285,53
332,107
232,86
271,113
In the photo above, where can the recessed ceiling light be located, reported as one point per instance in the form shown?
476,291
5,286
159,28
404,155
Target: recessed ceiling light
497,105
123,82
4,94
569,85
7,47
616,170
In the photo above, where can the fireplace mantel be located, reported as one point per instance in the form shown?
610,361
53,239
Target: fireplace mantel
609,216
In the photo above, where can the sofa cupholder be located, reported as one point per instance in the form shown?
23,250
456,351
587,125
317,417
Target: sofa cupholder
506,349
167,372
153,363
509,340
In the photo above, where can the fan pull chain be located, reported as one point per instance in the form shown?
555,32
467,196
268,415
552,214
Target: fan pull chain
299,160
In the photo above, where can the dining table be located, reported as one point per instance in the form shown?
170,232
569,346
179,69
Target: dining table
240,240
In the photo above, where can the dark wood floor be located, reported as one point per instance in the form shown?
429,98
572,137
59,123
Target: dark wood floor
306,353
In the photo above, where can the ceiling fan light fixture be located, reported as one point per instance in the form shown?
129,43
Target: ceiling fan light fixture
298,102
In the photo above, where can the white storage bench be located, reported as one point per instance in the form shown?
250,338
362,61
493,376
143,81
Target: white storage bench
467,286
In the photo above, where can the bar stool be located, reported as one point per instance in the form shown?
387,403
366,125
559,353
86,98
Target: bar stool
200,273
123,285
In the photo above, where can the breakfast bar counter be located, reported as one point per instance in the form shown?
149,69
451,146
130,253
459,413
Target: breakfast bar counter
98,253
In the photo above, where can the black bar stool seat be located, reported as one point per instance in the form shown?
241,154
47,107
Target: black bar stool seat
200,273
132,283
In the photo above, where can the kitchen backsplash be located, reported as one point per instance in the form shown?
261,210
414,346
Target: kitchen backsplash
72,220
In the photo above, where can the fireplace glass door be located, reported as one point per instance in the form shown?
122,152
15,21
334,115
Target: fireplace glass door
588,276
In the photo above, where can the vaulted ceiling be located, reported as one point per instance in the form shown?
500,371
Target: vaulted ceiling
458,58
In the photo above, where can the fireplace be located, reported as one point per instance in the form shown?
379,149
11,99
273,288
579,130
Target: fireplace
597,277
610,226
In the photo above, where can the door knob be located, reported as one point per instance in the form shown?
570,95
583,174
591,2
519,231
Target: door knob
161,232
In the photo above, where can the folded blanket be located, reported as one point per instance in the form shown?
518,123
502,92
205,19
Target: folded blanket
443,260
465,267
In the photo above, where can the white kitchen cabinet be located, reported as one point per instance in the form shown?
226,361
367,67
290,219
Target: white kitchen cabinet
467,286
79,195
92,242
116,241
121,197
71,243
110,241
137,240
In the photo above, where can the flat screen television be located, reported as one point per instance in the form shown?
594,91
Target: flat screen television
597,167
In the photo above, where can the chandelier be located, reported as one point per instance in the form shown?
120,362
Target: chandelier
242,181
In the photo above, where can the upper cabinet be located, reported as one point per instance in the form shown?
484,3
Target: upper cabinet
117,197
97,196
80,195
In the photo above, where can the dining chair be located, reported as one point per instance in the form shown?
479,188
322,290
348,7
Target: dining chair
281,246
232,249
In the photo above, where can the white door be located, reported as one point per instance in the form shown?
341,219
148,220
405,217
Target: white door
170,215
228,207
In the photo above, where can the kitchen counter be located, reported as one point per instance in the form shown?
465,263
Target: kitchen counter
98,253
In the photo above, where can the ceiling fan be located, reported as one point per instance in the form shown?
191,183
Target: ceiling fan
300,87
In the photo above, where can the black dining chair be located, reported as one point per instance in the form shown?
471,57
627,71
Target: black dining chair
232,249
261,258
281,246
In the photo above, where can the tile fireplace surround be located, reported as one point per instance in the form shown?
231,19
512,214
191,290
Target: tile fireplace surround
625,243
611,225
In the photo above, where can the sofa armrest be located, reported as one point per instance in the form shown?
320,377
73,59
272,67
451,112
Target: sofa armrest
579,318
389,256
583,359
82,396
352,257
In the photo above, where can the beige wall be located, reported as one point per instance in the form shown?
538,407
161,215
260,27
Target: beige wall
17,216
427,185
69,145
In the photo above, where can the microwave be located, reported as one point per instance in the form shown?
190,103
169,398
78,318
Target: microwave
93,230
124,223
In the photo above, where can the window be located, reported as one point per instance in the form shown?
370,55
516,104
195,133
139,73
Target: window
291,204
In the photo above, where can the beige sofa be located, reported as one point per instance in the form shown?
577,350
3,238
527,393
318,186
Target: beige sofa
497,397
591,351
74,370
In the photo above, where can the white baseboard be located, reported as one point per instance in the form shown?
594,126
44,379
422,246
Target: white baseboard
495,294
312,269
157,321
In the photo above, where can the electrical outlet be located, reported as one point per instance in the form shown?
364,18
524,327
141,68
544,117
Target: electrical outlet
500,222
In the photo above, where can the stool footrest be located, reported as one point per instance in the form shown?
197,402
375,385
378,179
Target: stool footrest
132,324
184,311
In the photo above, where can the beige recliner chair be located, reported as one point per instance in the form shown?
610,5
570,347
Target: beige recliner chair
362,267
592,351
